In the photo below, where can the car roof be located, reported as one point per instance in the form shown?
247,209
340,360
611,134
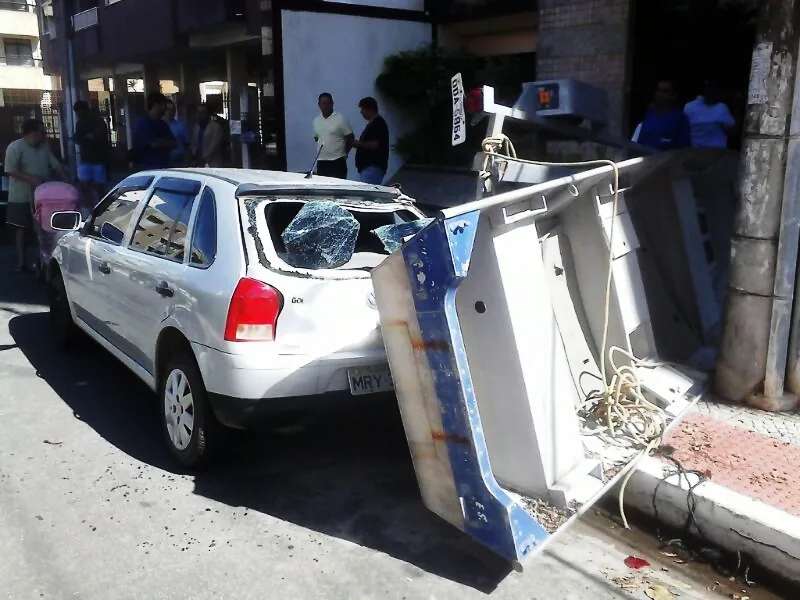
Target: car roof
273,178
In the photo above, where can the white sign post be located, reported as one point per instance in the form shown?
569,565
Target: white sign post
459,116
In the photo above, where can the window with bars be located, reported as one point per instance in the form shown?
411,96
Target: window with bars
18,53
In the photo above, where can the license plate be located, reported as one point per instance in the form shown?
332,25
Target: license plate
370,380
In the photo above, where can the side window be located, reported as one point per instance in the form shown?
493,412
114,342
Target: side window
113,220
162,227
204,238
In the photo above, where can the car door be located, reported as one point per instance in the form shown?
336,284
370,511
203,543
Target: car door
92,263
154,264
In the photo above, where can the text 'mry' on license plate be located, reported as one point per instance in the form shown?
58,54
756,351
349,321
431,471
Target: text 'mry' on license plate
370,380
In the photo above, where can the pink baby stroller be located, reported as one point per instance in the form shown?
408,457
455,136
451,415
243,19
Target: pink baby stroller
49,198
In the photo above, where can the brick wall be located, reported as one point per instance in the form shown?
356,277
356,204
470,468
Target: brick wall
587,40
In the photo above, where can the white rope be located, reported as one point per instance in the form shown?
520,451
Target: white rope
628,418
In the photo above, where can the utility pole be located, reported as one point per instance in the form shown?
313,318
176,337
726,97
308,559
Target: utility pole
63,13
758,313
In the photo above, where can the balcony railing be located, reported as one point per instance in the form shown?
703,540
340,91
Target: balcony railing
16,5
84,20
20,61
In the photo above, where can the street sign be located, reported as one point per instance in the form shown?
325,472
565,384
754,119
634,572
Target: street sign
459,116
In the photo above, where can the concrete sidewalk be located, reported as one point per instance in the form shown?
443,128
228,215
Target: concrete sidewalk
743,484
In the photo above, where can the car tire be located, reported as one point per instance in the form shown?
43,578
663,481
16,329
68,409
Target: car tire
190,428
63,330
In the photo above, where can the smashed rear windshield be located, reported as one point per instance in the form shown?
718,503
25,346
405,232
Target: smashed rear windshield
327,232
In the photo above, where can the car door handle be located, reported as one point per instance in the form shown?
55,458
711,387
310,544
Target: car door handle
164,289
104,268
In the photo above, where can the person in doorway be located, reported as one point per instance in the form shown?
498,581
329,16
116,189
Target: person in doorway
91,136
207,140
665,126
372,148
29,163
335,137
177,156
152,138
709,118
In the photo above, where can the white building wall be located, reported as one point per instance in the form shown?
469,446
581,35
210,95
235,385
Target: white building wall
14,77
19,23
342,55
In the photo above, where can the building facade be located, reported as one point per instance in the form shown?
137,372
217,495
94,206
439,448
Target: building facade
269,59
22,79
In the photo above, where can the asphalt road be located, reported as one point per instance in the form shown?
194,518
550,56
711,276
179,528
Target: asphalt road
91,507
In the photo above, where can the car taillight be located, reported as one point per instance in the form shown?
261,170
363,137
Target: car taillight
473,102
253,312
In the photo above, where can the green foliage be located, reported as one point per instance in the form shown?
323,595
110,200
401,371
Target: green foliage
417,79
418,83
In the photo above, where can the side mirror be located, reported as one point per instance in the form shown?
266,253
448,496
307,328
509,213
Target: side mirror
66,220
111,232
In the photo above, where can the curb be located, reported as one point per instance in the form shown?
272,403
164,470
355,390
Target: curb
729,519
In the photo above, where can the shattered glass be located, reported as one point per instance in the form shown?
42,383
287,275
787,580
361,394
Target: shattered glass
321,236
392,236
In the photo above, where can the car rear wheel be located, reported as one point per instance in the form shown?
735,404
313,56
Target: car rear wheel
63,330
190,428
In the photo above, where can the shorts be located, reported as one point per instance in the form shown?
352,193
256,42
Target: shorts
91,173
19,214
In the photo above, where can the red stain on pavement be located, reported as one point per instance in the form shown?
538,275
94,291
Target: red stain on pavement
633,562
752,464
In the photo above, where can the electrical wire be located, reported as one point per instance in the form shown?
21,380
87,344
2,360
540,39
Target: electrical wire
627,417
708,551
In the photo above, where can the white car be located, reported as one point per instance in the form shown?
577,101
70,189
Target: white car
183,276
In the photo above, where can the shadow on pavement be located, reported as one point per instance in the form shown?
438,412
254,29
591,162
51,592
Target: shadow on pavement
347,474
99,390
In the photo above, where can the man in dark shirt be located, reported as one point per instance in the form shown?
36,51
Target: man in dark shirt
372,148
152,138
91,135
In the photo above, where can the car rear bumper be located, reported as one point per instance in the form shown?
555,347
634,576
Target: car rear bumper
246,413
243,386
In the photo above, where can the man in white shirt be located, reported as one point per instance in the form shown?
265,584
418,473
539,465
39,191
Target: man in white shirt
334,134
710,119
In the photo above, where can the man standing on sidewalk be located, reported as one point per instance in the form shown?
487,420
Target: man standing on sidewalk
710,119
334,134
29,163
665,126
372,148
152,137
178,155
208,138
91,135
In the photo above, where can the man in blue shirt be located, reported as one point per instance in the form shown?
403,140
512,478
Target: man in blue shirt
665,126
178,155
710,118
152,138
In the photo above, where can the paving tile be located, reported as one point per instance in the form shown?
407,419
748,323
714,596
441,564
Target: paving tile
782,426
751,463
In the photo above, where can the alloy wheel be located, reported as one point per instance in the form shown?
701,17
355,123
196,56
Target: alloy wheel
179,409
